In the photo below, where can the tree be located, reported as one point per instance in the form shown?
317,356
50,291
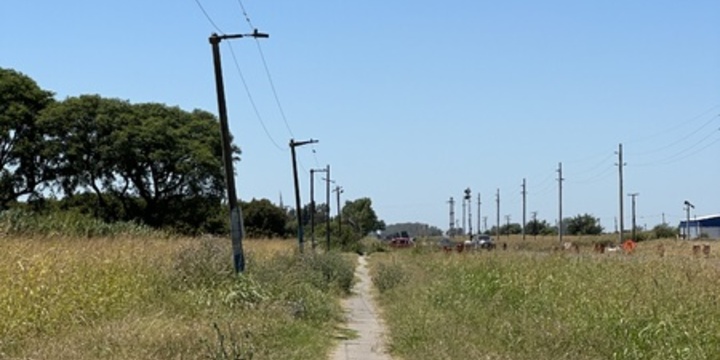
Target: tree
413,229
583,225
83,131
162,164
263,219
665,231
537,227
361,216
24,154
166,155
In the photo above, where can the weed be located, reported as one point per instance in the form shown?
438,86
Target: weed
388,276
228,346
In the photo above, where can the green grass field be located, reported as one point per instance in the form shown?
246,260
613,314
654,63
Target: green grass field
166,298
531,302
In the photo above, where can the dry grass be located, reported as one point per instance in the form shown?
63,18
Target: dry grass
531,302
162,298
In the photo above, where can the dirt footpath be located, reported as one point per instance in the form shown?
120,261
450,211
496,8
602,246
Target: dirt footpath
362,318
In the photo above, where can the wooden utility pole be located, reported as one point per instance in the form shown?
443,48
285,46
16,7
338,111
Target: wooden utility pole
312,205
298,207
339,190
327,201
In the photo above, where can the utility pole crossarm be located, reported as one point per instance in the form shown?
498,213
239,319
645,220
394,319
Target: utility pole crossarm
215,38
301,143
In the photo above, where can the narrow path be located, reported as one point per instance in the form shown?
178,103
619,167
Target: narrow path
362,318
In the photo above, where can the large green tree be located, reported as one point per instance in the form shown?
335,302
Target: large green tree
361,216
163,165
166,155
83,131
24,155
585,224
262,218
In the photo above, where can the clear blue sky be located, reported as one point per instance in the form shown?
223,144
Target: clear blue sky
413,101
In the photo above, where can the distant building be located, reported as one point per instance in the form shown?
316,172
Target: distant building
708,225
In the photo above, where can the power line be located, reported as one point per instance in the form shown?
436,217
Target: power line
678,141
252,101
597,177
274,91
679,155
247,18
207,16
267,72
242,77
678,125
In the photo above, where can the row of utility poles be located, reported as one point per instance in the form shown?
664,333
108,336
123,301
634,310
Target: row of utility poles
236,218
620,164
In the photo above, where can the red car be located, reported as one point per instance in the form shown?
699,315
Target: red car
402,242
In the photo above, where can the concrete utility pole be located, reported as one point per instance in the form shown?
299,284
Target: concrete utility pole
634,227
535,224
339,190
463,215
497,225
688,206
479,203
452,217
485,223
620,165
312,204
236,218
524,207
298,208
560,214
468,199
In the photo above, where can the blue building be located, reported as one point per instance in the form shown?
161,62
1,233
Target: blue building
708,225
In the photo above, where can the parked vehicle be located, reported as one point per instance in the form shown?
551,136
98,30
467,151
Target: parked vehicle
446,243
402,242
481,242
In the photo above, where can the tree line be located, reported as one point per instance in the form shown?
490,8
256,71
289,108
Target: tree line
149,163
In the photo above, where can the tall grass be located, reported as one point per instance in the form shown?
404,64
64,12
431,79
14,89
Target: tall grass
18,222
165,298
543,305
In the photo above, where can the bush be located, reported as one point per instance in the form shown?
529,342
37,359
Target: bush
389,276
332,271
202,264
664,231
68,224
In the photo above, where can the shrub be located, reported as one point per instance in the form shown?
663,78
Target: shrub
389,276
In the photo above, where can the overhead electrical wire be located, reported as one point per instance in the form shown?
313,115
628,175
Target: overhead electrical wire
680,124
682,155
242,78
595,178
267,71
207,16
272,86
250,98
679,140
